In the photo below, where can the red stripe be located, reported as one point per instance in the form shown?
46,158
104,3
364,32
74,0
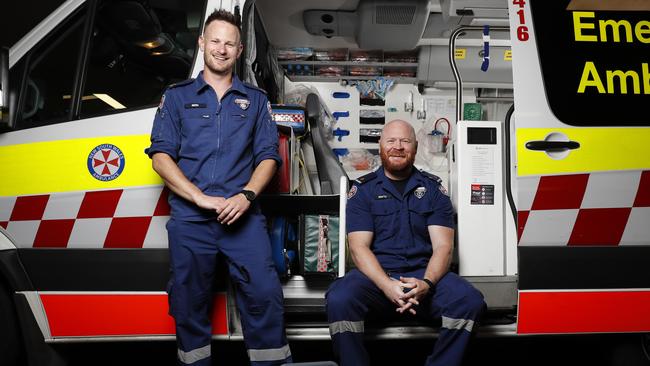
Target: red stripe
29,208
599,226
4,224
53,233
583,312
84,315
99,204
127,232
560,192
522,217
162,208
643,193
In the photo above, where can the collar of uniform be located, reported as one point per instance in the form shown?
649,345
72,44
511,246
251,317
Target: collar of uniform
237,84
415,180
387,185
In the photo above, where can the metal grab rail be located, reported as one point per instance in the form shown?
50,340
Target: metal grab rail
454,68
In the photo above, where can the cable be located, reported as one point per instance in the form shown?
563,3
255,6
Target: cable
445,138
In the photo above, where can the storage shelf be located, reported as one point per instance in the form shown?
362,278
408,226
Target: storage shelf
317,78
325,78
350,63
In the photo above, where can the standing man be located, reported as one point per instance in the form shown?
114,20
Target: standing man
215,146
400,234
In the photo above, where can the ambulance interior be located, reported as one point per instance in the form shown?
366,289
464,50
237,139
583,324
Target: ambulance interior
358,64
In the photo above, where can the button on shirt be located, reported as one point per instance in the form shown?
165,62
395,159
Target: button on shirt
399,221
216,145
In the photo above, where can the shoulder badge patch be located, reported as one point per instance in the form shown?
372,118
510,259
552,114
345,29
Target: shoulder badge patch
420,191
352,192
242,103
443,190
162,102
268,106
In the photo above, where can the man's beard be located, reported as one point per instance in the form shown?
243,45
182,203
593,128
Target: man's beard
396,167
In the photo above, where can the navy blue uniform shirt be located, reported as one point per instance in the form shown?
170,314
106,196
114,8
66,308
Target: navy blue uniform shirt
217,145
399,221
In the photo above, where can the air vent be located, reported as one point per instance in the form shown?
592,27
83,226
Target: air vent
396,15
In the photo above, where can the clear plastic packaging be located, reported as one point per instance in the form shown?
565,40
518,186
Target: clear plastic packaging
336,54
295,54
360,159
366,55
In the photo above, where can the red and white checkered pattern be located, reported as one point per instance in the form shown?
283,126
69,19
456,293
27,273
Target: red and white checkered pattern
121,218
605,208
288,117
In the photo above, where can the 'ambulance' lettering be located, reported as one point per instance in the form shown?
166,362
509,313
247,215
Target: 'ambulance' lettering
591,78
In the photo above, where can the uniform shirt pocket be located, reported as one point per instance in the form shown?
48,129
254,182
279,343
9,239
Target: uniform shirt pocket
240,128
419,212
385,215
197,131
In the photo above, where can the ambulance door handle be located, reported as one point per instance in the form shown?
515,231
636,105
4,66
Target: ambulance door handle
552,146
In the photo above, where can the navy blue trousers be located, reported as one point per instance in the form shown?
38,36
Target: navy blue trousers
454,300
194,246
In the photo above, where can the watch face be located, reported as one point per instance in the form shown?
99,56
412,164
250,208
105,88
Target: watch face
250,195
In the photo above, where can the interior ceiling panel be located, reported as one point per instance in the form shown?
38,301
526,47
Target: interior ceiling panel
287,28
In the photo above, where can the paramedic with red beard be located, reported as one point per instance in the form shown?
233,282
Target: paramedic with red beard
400,232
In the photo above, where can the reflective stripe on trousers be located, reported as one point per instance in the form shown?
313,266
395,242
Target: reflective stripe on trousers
194,355
346,326
271,354
451,323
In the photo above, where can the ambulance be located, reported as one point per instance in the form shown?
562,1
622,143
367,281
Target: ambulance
533,114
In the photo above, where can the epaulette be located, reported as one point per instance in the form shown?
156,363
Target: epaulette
180,83
433,177
366,178
251,86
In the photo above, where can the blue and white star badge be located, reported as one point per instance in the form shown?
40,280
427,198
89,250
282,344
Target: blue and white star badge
106,162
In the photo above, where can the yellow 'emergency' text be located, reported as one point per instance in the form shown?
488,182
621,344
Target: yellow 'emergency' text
584,26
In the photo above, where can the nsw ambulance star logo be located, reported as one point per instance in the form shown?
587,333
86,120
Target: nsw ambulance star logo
106,162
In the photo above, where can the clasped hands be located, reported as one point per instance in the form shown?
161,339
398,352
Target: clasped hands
405,293
227,209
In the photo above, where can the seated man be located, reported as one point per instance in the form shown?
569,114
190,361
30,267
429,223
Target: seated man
400,234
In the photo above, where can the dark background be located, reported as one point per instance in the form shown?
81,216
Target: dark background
17,17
